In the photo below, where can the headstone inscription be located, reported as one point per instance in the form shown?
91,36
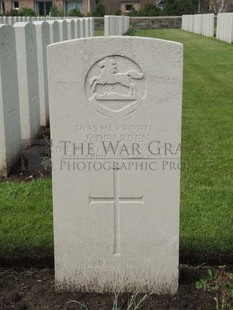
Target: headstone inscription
116,130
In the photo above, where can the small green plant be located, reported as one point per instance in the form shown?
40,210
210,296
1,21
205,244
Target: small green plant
99,10
46,162
131,32
26,12
134,303
75,12
220,284
12,12
55,11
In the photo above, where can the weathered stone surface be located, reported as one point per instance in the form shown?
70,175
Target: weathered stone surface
10,137
27,80
54,31
116,130
43,40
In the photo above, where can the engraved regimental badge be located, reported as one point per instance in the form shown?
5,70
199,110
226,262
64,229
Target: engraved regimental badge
115,86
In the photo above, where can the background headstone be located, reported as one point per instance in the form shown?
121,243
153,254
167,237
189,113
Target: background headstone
10,137
27,80
42,40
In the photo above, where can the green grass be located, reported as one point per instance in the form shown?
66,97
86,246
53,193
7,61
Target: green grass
26,228
207,163
207,143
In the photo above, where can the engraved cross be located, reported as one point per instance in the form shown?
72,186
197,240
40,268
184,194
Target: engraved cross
116,200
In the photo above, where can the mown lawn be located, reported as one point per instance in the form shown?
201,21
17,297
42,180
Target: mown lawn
207,163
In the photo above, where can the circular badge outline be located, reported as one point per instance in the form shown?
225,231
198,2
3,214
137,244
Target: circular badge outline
106,112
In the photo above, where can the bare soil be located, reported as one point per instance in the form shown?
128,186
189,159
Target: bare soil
33,289
33,161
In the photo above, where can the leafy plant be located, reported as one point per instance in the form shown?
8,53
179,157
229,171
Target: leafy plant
75,12
55,11
178,7
46,162
134,303
149,9
99,10
12,12
131,32
220,284
26,12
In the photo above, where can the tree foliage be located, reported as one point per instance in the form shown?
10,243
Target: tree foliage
178,7
99,10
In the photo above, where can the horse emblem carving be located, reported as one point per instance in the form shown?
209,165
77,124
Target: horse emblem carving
110,76
115,86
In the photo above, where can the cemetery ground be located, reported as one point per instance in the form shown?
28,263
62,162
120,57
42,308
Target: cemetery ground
206,223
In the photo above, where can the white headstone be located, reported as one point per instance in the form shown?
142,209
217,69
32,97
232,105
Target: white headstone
82,28
106,25
70,29
42,40
197,27
225,27
27,80
63,30
87,27
77,28
190,23
11,20
54,31
92,27
116,128
208,25
10,138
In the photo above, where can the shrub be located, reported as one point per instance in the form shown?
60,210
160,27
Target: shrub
55,11
149,10
75,12
26,12
99,10
178,7
12,13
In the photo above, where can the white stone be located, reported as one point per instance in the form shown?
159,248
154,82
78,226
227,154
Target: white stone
27,80
43,39
10,138
82,28
71,29
77,28
106,25
63,30
225,27
197,27
115,25
92,27
116,227
208,25
190,23
54,31
87,27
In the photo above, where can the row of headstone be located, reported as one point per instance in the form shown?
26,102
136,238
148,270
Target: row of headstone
11,20
24,104
115,25
202,24
225,27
